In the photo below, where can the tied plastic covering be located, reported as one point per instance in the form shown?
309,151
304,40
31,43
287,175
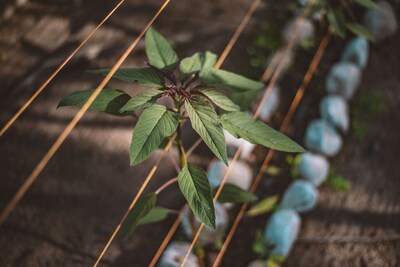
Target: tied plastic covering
241,174
303,28
381,22
334,109
286,60
175,253
321,137
343,79
313,167
257,263
208,235
282,230
233,143
300,196
356,52
270,105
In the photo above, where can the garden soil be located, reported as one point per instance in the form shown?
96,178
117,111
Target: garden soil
67,216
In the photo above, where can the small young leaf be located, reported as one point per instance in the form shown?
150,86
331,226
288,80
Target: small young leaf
233,194
242,125
144,76
155,124
337,21
155,215
229,81
219,99
205,122
190,65
159,51
197,63
142,100
195,186
360,30
143,206
367,3
209,60
266,205
109,100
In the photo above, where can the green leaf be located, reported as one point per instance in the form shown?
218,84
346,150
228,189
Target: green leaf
159,51
367,3
209,60
196,188
142,207
261,247
266,205
142,100
204,121
155,124
244,99
144,76
229,81
233,194
219,99
197,63
360,30
242,125
109,100
190,65
155,215
337,21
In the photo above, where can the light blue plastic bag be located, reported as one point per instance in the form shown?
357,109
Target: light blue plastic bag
343,79
300,196
321,137
334,109
175,253
208,235
282,230
313,167
381,22
356,52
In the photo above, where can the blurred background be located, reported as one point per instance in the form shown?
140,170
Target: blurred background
67,216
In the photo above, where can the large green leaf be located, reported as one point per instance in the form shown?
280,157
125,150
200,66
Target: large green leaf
233,194
266,205
204,121
242,125
195,186
229,81
196,63
337,21
367,3
142,100
155,124
159,51
109,100
155,215
244,99
360,30
219,99
144,76
142,207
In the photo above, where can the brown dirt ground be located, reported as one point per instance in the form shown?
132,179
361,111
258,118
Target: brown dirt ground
67,216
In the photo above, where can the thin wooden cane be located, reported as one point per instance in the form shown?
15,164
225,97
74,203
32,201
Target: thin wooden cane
296,101
60,140
54,74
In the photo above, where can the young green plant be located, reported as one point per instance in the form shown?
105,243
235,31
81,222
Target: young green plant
199,93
